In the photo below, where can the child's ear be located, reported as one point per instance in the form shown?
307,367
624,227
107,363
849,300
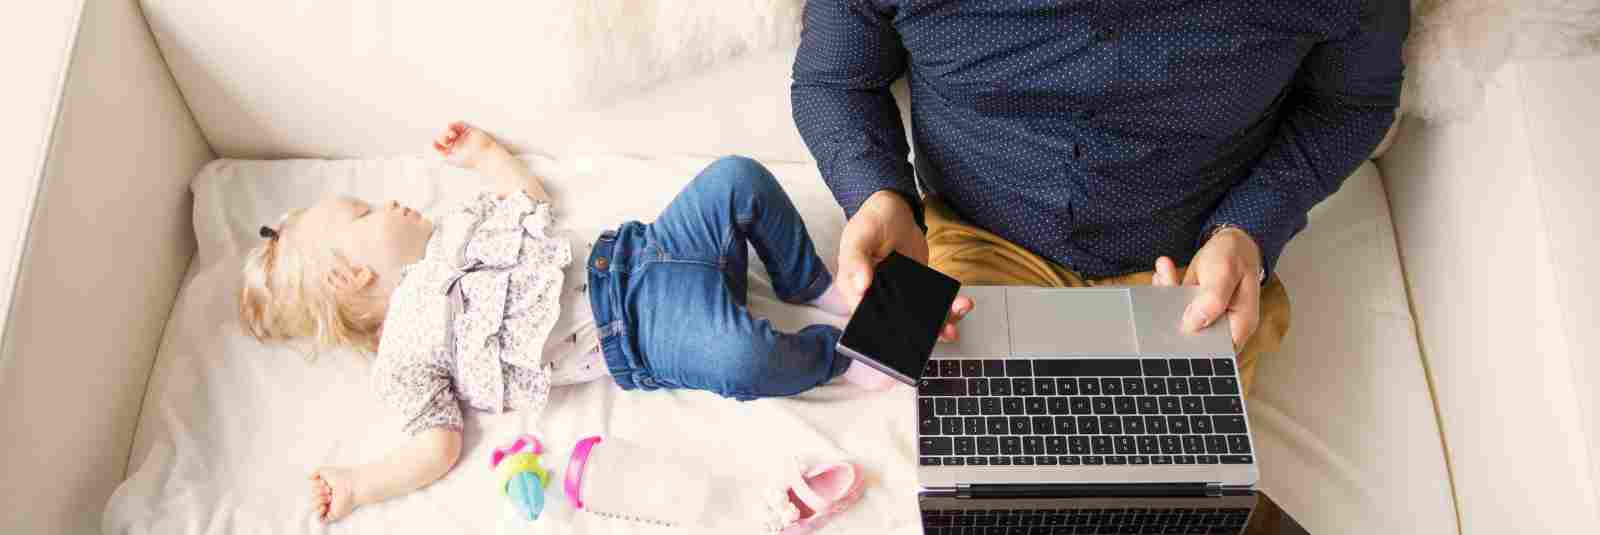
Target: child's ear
346,278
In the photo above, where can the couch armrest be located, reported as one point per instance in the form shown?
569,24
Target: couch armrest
107,240
1495,219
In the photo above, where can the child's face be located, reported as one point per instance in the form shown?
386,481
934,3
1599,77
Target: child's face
383,238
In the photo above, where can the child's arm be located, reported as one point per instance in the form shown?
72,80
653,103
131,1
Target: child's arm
475,149
420,461
510,175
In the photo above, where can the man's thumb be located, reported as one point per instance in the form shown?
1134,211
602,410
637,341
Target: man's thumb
856,271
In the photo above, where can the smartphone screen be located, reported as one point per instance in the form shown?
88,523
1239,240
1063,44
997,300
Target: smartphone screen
898,322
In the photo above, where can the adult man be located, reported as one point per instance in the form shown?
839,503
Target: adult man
1084,142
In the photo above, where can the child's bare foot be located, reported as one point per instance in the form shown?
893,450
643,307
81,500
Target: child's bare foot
468,147
331,493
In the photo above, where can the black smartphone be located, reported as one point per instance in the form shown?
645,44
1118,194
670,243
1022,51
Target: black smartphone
898,322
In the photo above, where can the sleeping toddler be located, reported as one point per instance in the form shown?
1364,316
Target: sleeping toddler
490,306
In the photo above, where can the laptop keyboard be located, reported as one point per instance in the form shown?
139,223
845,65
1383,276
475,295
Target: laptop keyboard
1081,412
1064,521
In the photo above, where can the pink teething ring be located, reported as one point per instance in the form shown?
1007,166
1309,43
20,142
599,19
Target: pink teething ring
524,441
574,478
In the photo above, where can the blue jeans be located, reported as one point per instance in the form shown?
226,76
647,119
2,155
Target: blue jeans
669,297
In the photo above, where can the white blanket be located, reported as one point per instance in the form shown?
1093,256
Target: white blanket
231,428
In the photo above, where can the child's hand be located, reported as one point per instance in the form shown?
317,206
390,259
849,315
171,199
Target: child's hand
331,493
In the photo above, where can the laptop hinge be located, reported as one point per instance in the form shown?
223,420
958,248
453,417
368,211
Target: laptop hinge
1089,490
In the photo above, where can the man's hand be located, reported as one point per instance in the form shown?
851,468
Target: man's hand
1227,270
883,224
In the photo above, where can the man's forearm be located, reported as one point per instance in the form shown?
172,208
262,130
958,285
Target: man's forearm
423,459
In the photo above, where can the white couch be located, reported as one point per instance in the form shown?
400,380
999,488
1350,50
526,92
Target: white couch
1434,380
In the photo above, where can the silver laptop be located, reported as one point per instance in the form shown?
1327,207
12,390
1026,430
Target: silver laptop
1075,394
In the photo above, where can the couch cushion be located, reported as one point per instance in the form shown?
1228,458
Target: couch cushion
362,79
1342,415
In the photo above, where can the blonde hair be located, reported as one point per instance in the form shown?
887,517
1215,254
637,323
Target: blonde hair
289,293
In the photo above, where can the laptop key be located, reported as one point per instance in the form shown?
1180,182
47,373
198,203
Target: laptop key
988,446
1089,387
1101,445
1194,404
1127,405
1177,386
1223,366
1078,445
971,368
1103,405
999,461
965,446
1237,459
1160,459
1171,444
1066,425
1044,425
1068,460
1044,387
1022,387
1126,445
1066,387
1094,460
1216,444
1200,424
1116,460
1012,406
967,406
928,425
1044,460
1155,367
994,368
1228,424
989,406
1010,446
1201,366
1133,386
1224,405
950,368
1058,405
1149,405
977,461
1180,367
978,387
944,387
1200,385
1155,386
930,369
1205,459
1224,385
1086,367
1019,368
998,425
1182,459
1111,425
1133,425
1019,425
1088,425
1036,405
1033,445
1081,405
1138,460
1193,444
1022,461
1171,405
1179,425
1149,445
1111,387
934,446
944,406
999,387
950,426
1055,445
1238,443
1155,425
974,425
955,461
929,461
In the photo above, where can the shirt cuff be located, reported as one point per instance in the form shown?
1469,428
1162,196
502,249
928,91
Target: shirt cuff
1271,225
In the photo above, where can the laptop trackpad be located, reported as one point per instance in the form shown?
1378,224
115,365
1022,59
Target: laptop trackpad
1047,322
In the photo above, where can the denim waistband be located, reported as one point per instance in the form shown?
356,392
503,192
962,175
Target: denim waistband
616,253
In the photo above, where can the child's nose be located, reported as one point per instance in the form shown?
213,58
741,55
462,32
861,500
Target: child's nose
392,205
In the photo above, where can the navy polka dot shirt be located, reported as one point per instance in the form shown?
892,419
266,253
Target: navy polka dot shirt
1102,134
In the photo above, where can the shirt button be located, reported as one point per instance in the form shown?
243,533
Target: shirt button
601,263
1077,151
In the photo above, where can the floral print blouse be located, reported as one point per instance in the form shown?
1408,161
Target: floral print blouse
492,315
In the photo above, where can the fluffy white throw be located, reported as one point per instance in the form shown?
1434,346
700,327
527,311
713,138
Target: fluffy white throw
1456,45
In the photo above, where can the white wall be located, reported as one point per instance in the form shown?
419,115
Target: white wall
27,98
